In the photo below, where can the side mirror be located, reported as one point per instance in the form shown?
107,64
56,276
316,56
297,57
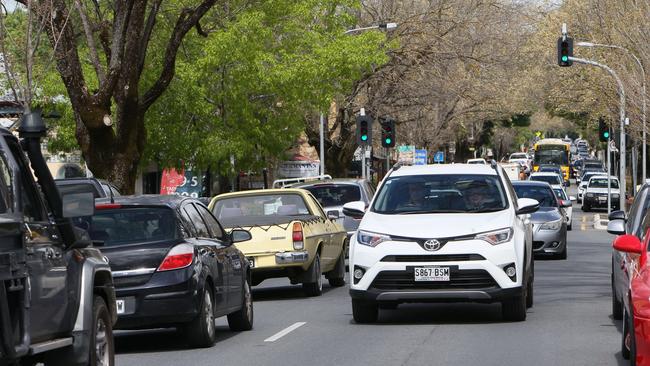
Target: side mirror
239,235
572,198
78,204
617,215
355,209
628,244
333,214
527,206
616,227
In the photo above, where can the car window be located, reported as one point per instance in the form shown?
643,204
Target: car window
283,204
6,195
638,211
550,179
560,194
456,193
544,195
211,222
335,194
196,219
602,183
319,208
125,226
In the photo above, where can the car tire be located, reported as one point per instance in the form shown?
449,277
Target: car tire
201,331
514,310
529,296
102,348
314,288
570,226
242,319
364,312
585,208
336,277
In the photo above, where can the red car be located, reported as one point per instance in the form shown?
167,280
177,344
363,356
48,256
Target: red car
636,319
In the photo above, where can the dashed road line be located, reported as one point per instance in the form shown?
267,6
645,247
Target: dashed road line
285,331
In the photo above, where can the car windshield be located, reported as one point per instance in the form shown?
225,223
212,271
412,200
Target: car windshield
335,194
286,204
559,193
130,225
518,156
593,166
475,162
558,157
602,183
586,177
440,194
544,195
550,179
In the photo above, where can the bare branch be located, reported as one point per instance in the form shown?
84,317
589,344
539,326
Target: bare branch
90,39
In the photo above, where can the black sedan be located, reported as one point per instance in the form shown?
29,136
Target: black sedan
173,265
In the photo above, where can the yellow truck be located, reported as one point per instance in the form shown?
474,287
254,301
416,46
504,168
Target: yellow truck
291,236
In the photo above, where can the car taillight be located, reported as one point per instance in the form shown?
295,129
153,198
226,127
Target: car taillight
298,240
107,206
178,257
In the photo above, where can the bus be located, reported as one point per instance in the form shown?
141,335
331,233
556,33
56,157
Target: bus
554,152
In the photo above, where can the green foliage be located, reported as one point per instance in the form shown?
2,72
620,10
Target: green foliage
247,89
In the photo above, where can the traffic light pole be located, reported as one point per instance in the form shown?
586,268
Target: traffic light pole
621,94
609,174
363,161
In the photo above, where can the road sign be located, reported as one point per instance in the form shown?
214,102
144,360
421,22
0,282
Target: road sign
612,146
420,157
439,157
406,154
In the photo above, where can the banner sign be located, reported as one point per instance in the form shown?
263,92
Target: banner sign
406,154
183,183
298,169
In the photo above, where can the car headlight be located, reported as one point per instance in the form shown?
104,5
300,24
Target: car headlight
496,237
551,225
616,195
590,194
371,239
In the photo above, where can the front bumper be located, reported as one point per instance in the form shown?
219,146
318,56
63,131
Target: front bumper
597,203
549,241
167,299
477,272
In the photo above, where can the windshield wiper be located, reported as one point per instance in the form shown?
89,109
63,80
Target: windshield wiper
429,212
485,210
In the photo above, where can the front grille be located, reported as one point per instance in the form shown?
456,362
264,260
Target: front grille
131,281
458,279
538,244
433,258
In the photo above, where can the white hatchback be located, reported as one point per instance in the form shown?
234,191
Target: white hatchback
441,233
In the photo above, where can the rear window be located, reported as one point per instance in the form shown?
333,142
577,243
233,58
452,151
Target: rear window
131,225
550,179
335,195
261,205
602,183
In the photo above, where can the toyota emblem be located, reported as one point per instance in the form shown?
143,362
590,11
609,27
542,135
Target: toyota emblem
432,245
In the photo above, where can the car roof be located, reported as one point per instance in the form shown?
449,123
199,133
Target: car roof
346,181
435,169
611,177
259,192
169,200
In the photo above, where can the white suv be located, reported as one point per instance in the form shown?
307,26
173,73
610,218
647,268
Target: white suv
440,233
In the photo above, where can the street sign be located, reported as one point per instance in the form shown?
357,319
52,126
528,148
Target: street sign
452,147
612,146
420,157
439,157
406,154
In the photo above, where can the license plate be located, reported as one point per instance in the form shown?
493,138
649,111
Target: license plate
251,260
602,199
120,306
426,274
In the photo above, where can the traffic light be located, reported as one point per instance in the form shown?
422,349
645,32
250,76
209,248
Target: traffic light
564,51
364,130
388,132
603,131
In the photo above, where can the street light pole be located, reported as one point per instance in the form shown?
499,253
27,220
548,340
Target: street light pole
643,92
386,26
621,94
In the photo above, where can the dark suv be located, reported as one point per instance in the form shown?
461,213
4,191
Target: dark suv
57,301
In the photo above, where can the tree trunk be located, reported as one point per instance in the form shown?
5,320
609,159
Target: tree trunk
339,150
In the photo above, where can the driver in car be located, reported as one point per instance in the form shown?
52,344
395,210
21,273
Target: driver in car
476,196
416,195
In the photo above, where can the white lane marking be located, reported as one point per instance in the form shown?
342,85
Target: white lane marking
284,332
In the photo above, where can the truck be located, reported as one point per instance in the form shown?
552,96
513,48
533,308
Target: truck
57,299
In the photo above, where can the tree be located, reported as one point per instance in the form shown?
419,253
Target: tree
109,99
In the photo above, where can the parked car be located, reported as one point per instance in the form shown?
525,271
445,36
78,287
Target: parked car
568,211
585,180
399,256
634,223
173,265
549,222
333,194
555,180
635,344
101,187
292,236
595,195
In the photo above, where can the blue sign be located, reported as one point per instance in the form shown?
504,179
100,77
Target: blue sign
439,157
420,157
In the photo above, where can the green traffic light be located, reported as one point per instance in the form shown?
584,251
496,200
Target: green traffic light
364,137
606,134
388,140
565,58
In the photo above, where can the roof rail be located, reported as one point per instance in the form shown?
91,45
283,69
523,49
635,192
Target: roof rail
283,183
